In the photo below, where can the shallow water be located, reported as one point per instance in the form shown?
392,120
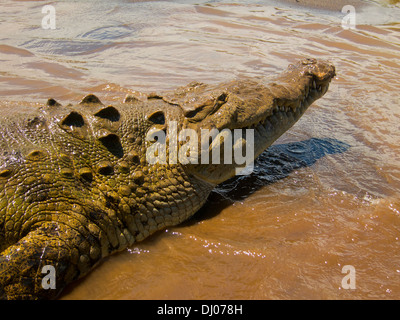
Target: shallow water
324,196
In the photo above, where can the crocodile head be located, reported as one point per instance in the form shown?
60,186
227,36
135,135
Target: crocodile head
249,115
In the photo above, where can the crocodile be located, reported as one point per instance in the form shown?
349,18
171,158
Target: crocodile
76,184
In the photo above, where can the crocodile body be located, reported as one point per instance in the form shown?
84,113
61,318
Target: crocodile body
76,186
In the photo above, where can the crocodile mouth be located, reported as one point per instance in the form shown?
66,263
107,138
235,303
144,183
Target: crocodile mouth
283,114
280,116
291,109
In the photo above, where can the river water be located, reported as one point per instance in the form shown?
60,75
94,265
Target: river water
324,196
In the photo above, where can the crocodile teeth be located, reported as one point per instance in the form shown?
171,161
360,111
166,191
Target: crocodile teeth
267,125
261,130
314,84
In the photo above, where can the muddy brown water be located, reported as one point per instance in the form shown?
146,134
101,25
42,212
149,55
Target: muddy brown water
326,195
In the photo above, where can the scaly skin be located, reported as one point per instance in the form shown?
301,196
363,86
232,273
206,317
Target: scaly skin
75,185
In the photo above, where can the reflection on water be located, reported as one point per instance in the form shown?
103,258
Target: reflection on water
277,163
324,196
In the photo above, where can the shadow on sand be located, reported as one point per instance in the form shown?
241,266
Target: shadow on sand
276,163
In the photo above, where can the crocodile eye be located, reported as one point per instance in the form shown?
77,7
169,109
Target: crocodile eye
157,117
222,97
